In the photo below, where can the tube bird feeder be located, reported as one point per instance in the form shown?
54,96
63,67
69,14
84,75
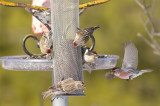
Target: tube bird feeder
67,58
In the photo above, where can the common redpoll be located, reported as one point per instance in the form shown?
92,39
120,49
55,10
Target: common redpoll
45,43
82,36
130,62
63,87
89,56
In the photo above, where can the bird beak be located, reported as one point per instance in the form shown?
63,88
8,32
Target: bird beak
112,72
96,56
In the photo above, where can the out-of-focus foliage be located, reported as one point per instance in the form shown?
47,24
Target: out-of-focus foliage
119,21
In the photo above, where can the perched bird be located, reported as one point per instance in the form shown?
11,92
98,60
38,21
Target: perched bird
46,43
89,56
130,62
63,87
82,36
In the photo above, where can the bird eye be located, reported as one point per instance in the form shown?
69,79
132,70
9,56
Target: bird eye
87,36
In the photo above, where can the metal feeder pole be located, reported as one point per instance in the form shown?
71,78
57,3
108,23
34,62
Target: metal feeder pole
67,59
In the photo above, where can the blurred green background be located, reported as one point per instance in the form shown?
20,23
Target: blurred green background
119,22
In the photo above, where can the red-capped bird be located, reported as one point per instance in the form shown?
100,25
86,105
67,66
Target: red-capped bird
89,56
46,43
63,87
130,62
82,36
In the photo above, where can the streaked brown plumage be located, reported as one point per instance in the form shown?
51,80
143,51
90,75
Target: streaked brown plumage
45,43
63,87
82,36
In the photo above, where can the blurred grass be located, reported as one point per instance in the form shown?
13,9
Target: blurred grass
119,21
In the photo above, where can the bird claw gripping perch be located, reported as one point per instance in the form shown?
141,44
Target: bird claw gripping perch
63,87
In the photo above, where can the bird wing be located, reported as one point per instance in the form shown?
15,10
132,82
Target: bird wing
69,80
68,87
130,56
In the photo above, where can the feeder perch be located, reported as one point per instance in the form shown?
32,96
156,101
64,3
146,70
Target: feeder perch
20,63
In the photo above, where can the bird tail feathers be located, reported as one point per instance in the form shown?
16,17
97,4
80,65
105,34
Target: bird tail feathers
52,97
46,94
96,27
146,70
109,76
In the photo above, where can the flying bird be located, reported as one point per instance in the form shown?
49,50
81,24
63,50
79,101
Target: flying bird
63,87
130,62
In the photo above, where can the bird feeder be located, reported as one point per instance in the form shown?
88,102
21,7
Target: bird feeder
67,59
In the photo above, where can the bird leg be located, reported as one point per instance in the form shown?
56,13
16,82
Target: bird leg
130,78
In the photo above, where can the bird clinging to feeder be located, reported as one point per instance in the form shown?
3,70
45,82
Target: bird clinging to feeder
46,44
82,36
63,87
130,62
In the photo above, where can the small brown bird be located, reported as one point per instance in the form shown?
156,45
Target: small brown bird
82,36
45,43
89,56
63,87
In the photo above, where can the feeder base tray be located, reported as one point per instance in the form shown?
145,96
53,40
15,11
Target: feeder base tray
22,63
